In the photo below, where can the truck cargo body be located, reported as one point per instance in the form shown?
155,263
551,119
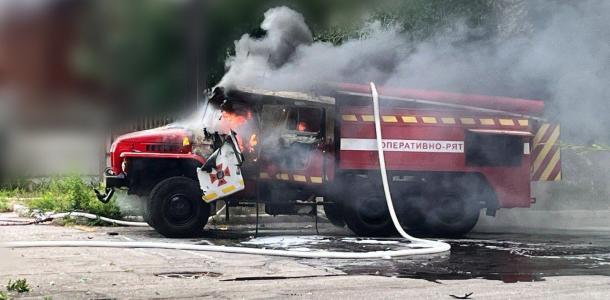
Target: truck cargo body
498,147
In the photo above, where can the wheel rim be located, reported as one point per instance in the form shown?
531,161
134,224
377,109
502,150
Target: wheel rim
179,209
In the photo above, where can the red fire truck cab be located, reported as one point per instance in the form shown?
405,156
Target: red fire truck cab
448,156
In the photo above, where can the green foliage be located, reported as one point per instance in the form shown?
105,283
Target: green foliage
3,296
423,17
149,51
137,49
19,286
7,194
73,194
4,205
20,192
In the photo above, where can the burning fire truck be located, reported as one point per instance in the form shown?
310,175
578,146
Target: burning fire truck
448,155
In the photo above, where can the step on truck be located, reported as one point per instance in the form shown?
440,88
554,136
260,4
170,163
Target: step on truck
449,156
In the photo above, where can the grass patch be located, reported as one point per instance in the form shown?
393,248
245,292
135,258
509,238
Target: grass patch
73,194
3,296
19,286
4,205
21,195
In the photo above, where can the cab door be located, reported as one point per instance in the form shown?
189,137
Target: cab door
292,143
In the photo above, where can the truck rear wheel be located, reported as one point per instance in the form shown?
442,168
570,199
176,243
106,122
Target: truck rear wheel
366,211
449,211
334,213
176,208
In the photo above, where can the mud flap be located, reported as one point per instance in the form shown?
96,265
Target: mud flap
221,175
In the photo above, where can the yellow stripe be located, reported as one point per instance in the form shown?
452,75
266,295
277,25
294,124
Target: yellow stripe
300,178
241,182
349,118
264,175
210,196
229,189
467,121
409,119
429,120
448,120
368,118
507,122
487,122
389,119
547,172
541,132
316,179
524,122
546,148
284,176
558,177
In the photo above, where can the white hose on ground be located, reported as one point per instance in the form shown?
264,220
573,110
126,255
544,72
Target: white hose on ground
111,221
225,249
96,217
417,246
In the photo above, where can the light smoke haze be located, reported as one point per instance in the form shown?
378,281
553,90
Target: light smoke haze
563,58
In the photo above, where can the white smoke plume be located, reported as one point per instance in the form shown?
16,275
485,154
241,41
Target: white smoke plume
562,56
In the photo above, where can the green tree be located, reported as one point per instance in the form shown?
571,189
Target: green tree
144,50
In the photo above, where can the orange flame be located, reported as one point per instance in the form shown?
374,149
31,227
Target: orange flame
302,126
238,123
252,143
233,121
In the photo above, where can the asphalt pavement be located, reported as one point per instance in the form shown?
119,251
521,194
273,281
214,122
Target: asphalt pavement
567,264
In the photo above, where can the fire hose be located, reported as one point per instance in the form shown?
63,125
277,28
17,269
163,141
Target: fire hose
51,217
416,246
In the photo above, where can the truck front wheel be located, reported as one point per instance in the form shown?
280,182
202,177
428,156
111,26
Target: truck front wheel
176,208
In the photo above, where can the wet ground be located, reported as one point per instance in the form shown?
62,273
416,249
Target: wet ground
506,257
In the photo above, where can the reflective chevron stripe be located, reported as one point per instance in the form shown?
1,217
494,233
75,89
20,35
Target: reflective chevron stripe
546,154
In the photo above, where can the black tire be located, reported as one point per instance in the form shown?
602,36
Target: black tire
365,209
176,208
334,212
450,211
410,204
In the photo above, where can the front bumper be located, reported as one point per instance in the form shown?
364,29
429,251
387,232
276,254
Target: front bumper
115,181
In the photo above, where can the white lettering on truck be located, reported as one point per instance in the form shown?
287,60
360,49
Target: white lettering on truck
403,145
